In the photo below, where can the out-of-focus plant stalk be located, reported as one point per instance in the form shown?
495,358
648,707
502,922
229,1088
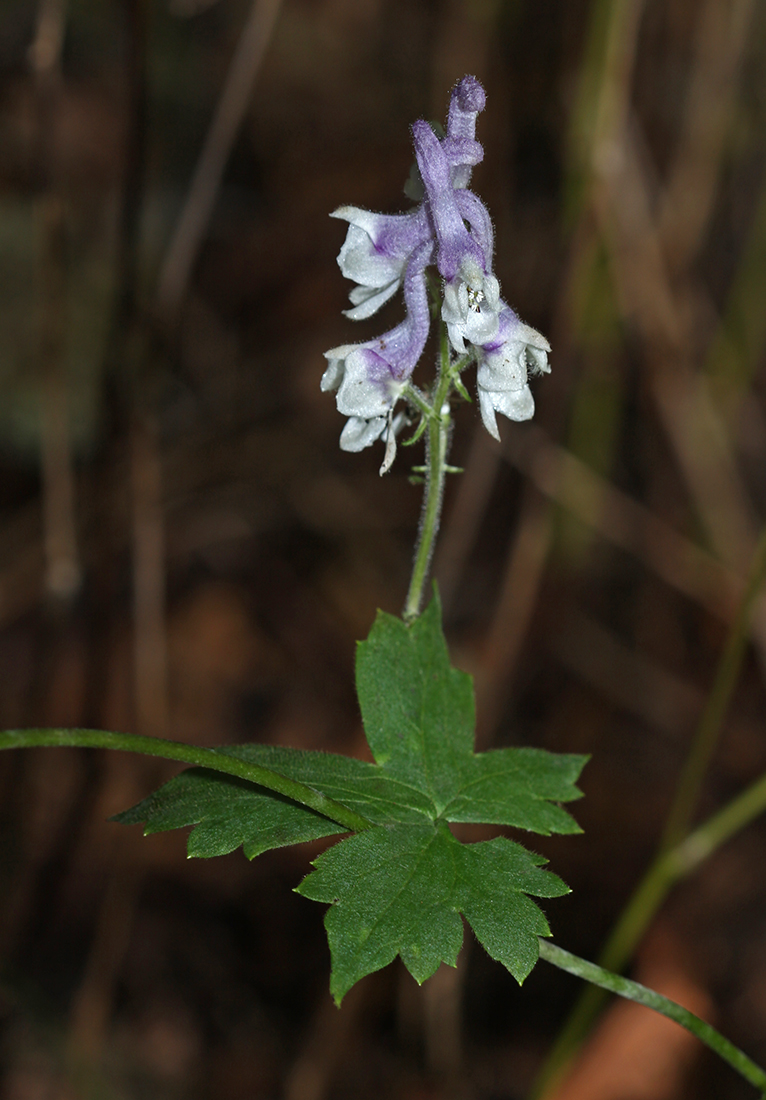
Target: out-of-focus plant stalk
711,722
679,853
62,566
229,113
148,537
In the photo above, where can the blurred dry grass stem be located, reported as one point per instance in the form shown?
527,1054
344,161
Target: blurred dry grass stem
626,523
206,180
150,642
63,572
687,199
519,590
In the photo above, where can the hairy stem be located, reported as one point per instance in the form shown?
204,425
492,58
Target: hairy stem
676,857
215,759
435,472
624,987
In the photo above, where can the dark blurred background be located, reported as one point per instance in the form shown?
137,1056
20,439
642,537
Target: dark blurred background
184,550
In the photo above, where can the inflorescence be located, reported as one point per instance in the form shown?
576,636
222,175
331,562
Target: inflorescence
452,229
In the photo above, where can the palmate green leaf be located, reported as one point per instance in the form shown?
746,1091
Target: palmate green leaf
400,890
400,886
418,713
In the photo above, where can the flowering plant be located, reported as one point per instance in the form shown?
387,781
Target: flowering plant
401,883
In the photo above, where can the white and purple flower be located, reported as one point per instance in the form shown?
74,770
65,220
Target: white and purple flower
383,252
507,362
370,377
375,253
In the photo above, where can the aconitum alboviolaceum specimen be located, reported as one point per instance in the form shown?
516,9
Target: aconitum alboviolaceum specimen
452,230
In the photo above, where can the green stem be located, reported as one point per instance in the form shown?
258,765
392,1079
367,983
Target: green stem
436,469
711,723
676,857
624,987
215,759
667,869
695,849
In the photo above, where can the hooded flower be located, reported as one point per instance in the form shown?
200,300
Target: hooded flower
471,307
471,292
370,377
503,375
375,253
454,243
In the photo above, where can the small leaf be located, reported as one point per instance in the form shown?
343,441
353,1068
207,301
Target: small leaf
417,433
400,890
457,382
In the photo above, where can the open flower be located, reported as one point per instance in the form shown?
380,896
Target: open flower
370,377
375,254
368,388
471,307
502,379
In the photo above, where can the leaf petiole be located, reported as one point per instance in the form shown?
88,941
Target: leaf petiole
214,759
633,991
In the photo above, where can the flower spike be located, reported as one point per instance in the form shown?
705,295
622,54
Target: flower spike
450,227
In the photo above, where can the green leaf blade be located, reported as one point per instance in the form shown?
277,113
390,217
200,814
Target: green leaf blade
382,798
495,878
389,890
418,711
418,714
227,813
400,890
518,787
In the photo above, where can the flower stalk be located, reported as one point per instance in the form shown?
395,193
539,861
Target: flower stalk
437,447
